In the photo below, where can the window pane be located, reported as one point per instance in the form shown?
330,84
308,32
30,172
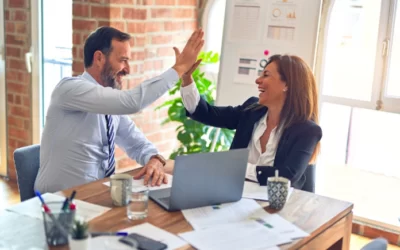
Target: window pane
57,46
393,87
350,50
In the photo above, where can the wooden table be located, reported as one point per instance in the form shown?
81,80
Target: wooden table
328,221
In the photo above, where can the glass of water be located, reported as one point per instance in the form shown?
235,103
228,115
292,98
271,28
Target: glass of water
139,202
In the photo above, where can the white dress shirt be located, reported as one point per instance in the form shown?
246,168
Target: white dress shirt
191,97
74,147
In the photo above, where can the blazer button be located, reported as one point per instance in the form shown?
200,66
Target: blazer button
259,172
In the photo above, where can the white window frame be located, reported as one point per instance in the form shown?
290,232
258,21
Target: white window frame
36,70
390,104
379,83
3,98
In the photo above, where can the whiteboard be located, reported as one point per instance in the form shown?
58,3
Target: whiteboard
254,26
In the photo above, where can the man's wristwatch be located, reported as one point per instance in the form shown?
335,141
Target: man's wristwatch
160,158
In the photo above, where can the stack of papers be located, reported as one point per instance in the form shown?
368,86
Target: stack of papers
138,185
33,207
238,225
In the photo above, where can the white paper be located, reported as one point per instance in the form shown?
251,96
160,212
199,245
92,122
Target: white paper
138,185
209,216
240,235
245,20
145,229
280,225
33,207
252,190
21,232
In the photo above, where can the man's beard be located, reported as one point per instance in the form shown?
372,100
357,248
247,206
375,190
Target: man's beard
109,78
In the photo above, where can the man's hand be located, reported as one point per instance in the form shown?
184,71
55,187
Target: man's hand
186,59
187,77
155,170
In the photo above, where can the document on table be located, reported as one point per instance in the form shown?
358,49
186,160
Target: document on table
253,190
21,232
33,207
139,184
280,225
204,217
145,229
239,235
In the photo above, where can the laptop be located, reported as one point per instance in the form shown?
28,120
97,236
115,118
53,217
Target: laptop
204,179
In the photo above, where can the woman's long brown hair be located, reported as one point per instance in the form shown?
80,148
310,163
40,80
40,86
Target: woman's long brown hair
301,102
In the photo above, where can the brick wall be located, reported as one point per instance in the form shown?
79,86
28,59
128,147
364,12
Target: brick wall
156,26
18,80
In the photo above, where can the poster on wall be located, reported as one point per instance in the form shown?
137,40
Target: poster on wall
256,26
282,20
246,20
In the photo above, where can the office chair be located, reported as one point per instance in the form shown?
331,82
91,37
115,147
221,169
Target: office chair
376,244
27,162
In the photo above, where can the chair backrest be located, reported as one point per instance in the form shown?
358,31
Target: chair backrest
27,162
376,244
309,185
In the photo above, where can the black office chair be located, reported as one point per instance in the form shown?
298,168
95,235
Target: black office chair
309,185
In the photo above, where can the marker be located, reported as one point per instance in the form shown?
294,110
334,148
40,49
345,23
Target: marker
94,234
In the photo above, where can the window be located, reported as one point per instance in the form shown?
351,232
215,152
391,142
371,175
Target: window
213,24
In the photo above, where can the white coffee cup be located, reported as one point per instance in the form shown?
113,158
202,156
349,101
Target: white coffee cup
121,187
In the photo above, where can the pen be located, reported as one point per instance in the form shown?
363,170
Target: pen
48,211
94,234
72,196
65,204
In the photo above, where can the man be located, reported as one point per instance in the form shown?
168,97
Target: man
87,115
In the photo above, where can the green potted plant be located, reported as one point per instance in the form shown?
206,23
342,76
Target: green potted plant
79,238
195,137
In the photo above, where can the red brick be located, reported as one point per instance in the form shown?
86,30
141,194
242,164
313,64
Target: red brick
154,27
77,67
17,88
85,25
27,101
164,2
137,56
15,122
18,99
80,10
20,111
13,52
76,38
192,25
7,15
27,125
100,12
16,64
134,14
135,28
115,13
123,1
10,98
158,64
18,133
184,13
12,75
20,15
140,41
21,28
10,28
187,2
14,40
161,39
172,26
160,13
148,65
165,52
18,3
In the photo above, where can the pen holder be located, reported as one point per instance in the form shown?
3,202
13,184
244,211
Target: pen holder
278,190
54,235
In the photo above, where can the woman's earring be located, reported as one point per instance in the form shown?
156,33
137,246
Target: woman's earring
285,89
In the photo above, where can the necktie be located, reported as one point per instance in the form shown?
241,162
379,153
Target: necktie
111,146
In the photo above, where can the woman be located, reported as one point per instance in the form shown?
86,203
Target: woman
280,127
